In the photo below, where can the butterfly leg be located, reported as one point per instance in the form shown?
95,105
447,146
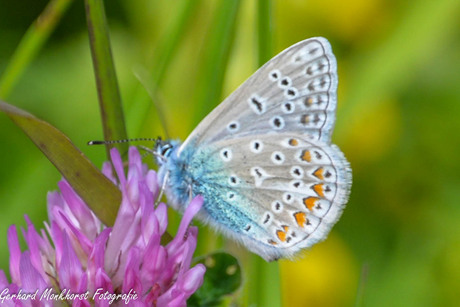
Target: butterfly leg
163,187
190,194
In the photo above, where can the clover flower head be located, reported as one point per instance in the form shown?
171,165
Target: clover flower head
79,260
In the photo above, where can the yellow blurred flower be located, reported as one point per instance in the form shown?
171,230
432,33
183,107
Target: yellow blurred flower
328,266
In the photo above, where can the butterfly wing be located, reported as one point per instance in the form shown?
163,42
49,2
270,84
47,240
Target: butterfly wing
294,91
263,160
276,195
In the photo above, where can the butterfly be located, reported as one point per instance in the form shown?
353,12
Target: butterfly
263,159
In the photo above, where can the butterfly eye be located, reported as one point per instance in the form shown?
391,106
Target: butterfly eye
165,149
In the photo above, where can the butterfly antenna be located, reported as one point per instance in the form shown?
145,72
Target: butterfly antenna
145,80
148,150
123,141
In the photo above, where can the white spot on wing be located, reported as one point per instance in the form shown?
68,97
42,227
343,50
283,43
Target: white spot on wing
277,122
288,107
257,104
285,82
277,206
259,175
256,146
291,93
233,180
226,154
297,172
274,75
234,126
278,157
288,198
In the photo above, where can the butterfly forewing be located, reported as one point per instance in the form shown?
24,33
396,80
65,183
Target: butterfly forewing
295,91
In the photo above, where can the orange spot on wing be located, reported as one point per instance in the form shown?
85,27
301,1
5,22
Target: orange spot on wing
305,119
309,202
282,234
319,173
272,242
319,189
306,156
293,142
300,218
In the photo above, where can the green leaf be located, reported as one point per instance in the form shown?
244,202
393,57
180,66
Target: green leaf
223,277
96,190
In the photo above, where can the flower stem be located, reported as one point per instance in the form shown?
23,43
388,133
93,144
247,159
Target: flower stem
265,277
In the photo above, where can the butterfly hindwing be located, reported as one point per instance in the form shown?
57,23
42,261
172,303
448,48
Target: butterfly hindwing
276,195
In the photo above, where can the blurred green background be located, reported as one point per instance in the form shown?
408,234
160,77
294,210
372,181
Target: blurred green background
398,241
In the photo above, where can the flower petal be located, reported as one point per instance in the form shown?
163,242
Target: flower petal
15,254
69,267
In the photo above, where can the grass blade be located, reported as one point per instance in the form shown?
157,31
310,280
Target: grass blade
31,44
265,277
166,49
107,85
264,31
215,57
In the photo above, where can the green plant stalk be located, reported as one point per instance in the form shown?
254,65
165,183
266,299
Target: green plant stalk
264,283
216,56
107,85
210,81
265,277
264,31
31,44
138,113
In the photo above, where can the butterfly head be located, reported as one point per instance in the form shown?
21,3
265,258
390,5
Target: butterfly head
163,150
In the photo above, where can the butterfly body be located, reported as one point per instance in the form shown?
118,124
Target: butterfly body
262,160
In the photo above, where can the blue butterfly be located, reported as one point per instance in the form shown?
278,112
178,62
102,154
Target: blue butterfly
263,159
